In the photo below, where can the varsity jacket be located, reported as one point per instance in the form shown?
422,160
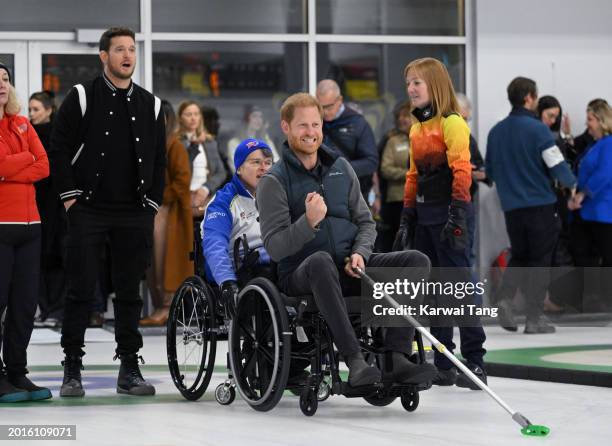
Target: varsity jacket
230,215
348,226
81,133
23,161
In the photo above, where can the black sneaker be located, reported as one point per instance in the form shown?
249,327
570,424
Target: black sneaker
360,372
71,385
9,393
539,327
36,393
404,371
130,380
445,377
464,381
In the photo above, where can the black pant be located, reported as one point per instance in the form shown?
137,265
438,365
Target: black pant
130,236
456,267
391,214
533,234
319,276
19,280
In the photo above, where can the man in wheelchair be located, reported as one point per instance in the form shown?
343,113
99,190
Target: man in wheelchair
232,221
312,217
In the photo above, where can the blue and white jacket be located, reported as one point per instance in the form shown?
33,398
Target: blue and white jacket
230,214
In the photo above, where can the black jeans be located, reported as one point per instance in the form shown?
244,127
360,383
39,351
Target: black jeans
19,281
130,236
318,275
457,267
533,234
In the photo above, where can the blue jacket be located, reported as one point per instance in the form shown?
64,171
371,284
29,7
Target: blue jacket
230,214
350,136
521,158
595,180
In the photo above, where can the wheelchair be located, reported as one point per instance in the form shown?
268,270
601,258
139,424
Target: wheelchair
269,333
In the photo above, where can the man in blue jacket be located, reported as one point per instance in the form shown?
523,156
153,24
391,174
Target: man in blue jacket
232,215
348,134
522,158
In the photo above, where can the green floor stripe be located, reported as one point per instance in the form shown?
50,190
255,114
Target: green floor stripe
533,357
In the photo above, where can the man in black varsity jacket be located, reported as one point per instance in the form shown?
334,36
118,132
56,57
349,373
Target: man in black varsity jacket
108,162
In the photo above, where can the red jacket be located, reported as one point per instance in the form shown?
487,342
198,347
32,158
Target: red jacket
23,161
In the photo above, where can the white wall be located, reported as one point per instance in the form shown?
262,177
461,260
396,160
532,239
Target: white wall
565,46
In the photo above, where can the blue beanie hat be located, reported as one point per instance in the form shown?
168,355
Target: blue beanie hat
248,146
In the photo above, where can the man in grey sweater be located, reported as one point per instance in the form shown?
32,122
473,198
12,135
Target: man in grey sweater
312,217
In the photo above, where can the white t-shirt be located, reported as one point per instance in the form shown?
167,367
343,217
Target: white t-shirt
199,173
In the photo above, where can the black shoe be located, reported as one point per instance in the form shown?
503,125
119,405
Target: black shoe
538,327
464,381
360,372
404,371
505,318
36,393
9,393
445,377
130,380
72,385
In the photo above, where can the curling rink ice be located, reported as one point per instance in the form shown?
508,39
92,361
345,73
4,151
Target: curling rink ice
576,415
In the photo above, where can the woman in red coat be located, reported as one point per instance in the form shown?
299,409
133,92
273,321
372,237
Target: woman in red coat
23,161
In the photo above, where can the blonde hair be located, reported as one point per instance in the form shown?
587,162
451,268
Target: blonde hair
603,113
298,100
439,84
13,106
181,127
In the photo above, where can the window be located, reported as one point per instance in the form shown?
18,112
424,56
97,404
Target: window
232,78
60,72
239,16
391,17
68,15
371,75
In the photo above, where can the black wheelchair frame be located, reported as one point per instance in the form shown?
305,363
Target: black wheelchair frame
270,332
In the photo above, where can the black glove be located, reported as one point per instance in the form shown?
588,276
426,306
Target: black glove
454,233
405,234
229,294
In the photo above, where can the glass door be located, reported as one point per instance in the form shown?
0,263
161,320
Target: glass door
58,66
14,54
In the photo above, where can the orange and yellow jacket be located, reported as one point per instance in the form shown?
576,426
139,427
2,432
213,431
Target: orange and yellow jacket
440,169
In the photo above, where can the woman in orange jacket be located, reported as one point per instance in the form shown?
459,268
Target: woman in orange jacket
23,161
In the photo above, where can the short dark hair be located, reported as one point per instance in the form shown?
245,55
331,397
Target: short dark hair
519,88
105,40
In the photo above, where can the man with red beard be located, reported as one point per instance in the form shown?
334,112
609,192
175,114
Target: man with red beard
108,161
312,217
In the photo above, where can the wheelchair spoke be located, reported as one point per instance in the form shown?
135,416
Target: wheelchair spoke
246,331
266,335
250,363
268,355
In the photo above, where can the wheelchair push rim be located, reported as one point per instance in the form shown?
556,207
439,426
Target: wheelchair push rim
260,345
191,338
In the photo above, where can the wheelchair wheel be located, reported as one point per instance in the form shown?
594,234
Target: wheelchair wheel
308,402
379,400
191,338
410,400
260,345
225,394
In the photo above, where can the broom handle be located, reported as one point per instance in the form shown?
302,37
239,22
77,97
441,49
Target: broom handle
442,349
